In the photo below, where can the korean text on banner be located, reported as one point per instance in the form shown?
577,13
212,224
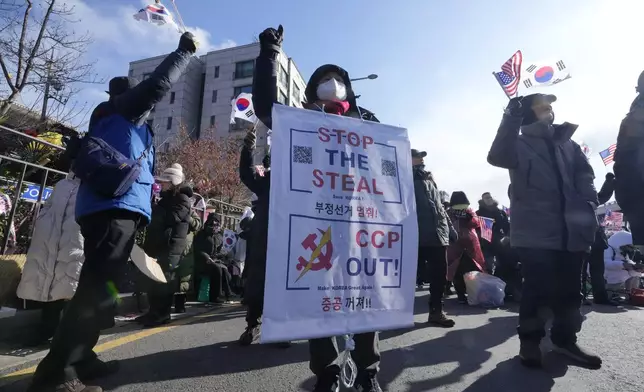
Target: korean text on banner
343,232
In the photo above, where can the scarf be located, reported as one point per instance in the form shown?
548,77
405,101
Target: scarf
331,107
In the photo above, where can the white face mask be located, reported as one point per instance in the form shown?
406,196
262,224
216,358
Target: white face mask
332,90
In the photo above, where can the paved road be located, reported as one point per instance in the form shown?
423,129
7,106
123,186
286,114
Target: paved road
476,356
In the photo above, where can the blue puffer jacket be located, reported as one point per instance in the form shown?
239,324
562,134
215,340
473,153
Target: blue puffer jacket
121,123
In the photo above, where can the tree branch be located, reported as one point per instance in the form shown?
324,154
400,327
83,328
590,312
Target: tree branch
43,28
21,42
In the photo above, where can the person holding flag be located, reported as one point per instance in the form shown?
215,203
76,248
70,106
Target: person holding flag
553,202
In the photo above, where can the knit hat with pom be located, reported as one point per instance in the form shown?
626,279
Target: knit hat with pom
173,174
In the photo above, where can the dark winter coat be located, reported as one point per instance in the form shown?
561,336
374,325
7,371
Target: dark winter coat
433,222
552,185
207,245
629,161
604,194
500,229
166,237
121,123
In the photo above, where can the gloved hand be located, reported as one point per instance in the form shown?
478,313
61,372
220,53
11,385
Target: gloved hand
515,107
271,39
188,42
610,176
250,140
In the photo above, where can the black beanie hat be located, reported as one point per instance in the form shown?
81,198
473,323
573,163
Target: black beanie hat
458,197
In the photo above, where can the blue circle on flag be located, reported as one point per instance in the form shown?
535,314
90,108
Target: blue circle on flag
544,74
242,104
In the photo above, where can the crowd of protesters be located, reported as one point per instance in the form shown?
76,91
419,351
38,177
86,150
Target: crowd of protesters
83,237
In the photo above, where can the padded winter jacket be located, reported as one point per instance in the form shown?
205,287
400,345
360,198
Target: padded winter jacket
55,256
121,123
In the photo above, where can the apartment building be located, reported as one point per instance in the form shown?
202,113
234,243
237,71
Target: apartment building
201,99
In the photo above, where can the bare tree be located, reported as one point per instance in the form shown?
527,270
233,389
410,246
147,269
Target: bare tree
40,53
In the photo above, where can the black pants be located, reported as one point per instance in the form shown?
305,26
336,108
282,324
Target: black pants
50,318
507,269
595,262
435,258
254,294
551,279
464,266
325,356
109,238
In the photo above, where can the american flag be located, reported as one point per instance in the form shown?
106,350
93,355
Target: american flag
510,74
608,155
486,228
506,210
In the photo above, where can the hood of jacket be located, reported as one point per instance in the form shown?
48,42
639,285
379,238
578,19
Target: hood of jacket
311,87
618,240
559,133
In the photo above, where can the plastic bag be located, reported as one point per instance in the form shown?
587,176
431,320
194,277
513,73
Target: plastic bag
484,290
204,289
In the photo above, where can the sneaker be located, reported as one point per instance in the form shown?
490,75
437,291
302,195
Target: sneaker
96,369
441,320
327,383
576,353
530,354
249,336
367,383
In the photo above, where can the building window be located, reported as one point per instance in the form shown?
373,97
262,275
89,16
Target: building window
214,96
169,124
296,93
242,89
216,71
283,76
244,69
172,97
150,122
146,75
212,121
281,97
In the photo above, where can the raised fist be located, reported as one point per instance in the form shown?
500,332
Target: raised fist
188,42
271,39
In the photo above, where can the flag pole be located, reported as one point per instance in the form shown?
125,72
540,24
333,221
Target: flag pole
176,9
501,84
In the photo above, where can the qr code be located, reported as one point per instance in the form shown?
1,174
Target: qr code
302,154
389,168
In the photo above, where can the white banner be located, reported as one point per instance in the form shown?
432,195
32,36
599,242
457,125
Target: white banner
343,232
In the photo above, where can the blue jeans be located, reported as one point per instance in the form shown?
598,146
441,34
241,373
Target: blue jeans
551,281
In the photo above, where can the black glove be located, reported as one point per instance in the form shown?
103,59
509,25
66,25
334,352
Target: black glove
610,176
271,40
250,140
188,42
515,107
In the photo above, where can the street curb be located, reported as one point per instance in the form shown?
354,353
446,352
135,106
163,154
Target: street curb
25,322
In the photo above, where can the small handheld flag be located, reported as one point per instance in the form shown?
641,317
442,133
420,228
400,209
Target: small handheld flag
510,74
608,155
157,14
242,107
486,228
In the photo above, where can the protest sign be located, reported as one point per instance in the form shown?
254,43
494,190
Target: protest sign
343,231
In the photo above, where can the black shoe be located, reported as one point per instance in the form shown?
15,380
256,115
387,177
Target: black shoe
530,354
157,321
367,383
580,355
233,298
249,336
96,369
144,318
327,382
440,319
462,299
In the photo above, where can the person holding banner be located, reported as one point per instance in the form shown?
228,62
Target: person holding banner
109,220
435,232
328,90
553,202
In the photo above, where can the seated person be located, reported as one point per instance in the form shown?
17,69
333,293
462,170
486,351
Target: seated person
622,273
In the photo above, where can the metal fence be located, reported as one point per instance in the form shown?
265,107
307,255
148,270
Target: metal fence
228,214
17,184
